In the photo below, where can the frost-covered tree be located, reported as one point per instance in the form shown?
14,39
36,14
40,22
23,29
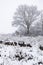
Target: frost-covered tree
36,26
42,20
22,30
25,15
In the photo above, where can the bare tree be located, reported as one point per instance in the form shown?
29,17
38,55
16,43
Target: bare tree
25,15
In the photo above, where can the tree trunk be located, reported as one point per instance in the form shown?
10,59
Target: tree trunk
27,29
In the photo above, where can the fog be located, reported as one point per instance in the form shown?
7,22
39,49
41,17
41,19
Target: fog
7,9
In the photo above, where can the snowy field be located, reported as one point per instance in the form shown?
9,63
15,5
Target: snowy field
31,54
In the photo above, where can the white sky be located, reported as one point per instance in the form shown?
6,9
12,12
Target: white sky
7,9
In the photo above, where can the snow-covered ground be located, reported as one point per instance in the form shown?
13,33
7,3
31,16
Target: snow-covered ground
16,55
